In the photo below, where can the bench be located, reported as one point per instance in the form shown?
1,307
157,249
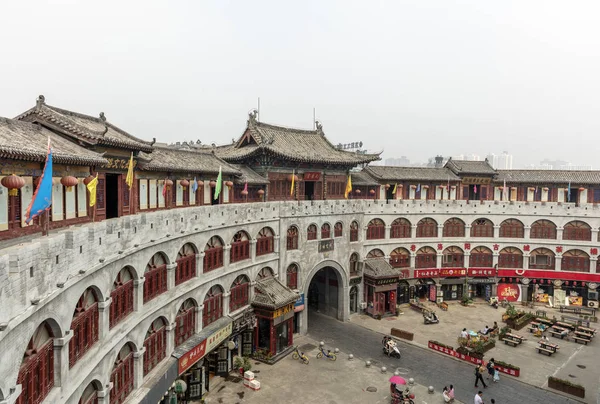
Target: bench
556,334
533,329
580,339
511,342
546,351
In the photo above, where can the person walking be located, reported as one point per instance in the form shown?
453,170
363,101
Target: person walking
478,375
491,368
478,398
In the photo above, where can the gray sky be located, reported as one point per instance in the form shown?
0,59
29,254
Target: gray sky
414,78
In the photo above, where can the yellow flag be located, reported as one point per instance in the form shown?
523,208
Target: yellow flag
348,187
293,178
91,186
395,189
129,179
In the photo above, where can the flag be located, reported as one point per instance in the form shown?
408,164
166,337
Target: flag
246,187
195,185
419,188
475,189
91,186
348,187
219,184
504,191
293,178
448,186
129,179
42,197
569,192
395,189
164,191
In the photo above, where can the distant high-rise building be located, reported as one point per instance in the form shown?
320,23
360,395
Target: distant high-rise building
575,167
403,161
492,159
505,161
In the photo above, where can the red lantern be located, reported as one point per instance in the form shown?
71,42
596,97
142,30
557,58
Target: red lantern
567,283
184,183
229,183
261,192
88,179
294,178
387,186
244,192
69,182
212,184
372,192
581,189
357,192
534,281
200,183
13,183
169,183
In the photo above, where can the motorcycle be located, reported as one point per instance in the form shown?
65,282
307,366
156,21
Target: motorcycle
493,302
391,349
429,317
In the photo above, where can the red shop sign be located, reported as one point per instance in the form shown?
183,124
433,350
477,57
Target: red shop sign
312,176
481,272
446,272
509,292
192,356
427,273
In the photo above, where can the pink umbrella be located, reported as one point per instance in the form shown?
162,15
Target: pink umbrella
397,380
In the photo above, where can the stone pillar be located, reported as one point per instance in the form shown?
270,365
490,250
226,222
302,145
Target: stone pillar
103,395
138,294
526,260
438,261
103,318
466,261
558,262
171,275
559,233
594,235
496,231
170,346
526,232
253,250
388,231
413,259
61,360
226,298
227,255
467,230
200,323
413,231
495,256
593,261
138,368
276,240
440,232
199,264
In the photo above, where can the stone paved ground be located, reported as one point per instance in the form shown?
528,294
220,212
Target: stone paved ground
320,382
574,362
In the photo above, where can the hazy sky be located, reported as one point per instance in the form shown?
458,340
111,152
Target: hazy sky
414,78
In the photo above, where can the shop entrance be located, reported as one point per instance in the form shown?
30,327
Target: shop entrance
309,190
112,195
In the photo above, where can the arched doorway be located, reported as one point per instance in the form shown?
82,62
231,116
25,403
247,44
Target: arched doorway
326,291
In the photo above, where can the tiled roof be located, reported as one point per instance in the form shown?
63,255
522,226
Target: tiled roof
396,174
307,146
380,268
249,175
28,141
362,178
191,161
84,127
273,294
548,176
470,167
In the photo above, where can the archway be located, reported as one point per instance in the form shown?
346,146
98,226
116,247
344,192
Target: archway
326,291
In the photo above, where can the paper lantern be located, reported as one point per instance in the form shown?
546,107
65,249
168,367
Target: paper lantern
387,186
244,192
261,192
88,179
184,183
168,183
582,189
372,192
200,183
13,183
69,182
357,192
229,183
213,183
294,177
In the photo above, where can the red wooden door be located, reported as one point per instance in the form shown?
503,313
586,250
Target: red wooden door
318,194
101,197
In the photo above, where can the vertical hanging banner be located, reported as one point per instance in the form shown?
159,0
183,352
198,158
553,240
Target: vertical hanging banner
42,197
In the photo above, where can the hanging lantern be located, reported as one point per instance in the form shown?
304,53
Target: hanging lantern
357,192
535,281
213,183
245,193
168,183
69,182
261,192
88,179
229,183
200,183
387,186
13,183
184,183
581,189
293,177
567,283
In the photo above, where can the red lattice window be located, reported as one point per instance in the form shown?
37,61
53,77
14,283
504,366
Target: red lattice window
264,242
354,264
90,395
353,231
575,260
155,282
543,229
213,306
122,376
375,229
311,233
185,322
213,254
512,228
186,264
338,229
400,228
482,228
510,257
454,228
36,374
122,297
292,238
453,257
239,293
84,326
292,276
542,258
400,258
481,257
577,230
240,247
426,258
155,344
325,231
427,228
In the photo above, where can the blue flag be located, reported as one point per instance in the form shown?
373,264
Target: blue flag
418,187
42,197
569,192
195,185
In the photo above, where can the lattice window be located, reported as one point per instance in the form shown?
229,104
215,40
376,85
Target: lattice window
84,326
311,232
577,230
239,293
122,376
376,229
325,231
185,322
453,257
427,228
213,306
543,229
512,228
375,253
213,254
453,228
240,247
122,297
400,258
155,344
510,257
292,238
90,395
338,229
542,258
36,374
426,258
482,228
575,260
265,242
292,276
186,264
353,231
481,257
400,228
155,282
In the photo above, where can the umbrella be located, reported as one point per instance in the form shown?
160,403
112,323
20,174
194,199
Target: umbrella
397,380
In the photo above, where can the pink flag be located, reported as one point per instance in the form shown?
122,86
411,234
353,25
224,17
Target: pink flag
475,189
246,187
164,190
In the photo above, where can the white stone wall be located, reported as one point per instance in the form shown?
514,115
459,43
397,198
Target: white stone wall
42,279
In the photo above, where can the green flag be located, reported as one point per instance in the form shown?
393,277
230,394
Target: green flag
219,184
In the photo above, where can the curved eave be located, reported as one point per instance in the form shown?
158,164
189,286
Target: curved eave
187,170
58,158
293,157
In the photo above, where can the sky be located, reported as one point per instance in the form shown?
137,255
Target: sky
415,78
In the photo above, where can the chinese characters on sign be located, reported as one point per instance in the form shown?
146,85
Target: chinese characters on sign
481,272
325,245
312,176
427,273
452,272
386,281
476,181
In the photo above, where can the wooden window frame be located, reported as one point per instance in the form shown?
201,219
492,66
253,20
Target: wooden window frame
85,332
122,379
213,259
36,374
213,308
156,347
291,242
185,324
427,228
512,229
311,232
453,228
122,301
240,250
353,232
325,231
375,230
291,276
338,229
240,294
155,282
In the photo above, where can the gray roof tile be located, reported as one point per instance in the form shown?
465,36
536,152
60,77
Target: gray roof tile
380,268
470,167
398,174
190,161
548,176
273,294
249,175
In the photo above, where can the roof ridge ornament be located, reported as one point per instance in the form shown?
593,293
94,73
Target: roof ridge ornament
41,100
319,126
253,116
103,119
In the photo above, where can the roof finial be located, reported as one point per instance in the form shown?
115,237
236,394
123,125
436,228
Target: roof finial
40,100
102,117
253,116
153,141
319,126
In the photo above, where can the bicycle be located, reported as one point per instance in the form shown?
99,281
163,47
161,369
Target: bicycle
331,356
300,355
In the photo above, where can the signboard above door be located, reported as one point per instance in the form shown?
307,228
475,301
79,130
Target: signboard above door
312,176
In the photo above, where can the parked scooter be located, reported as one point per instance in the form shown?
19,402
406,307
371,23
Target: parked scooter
494,302
390,348
429,317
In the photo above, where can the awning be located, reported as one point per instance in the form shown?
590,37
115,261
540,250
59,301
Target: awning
452,281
